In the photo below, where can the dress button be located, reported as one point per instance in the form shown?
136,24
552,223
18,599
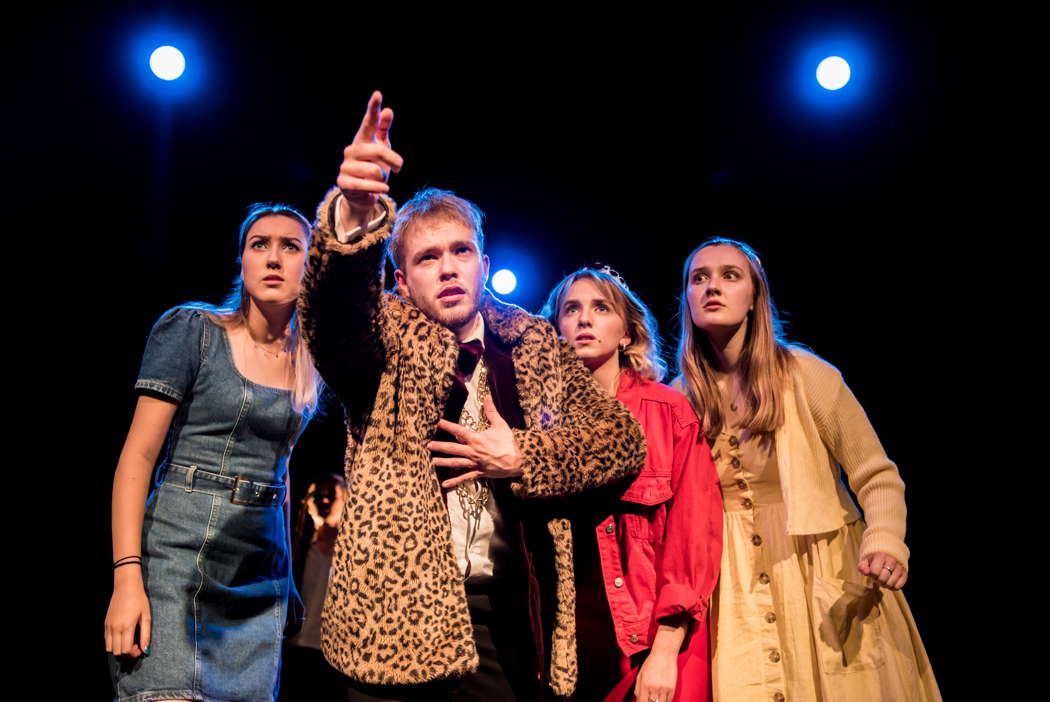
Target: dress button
634,638
771,617
774,656
756,540
618,582
778,697
748,504
763,578
742,484
610,529
735,462
733,441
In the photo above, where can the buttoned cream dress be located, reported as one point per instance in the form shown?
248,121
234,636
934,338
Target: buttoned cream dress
792,618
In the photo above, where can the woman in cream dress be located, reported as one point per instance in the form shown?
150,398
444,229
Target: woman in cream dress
808,605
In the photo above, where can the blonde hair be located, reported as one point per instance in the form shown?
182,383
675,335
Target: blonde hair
433,204
306,389
765,362
233,313
643,354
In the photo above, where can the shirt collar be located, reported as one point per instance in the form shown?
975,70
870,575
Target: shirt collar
477,331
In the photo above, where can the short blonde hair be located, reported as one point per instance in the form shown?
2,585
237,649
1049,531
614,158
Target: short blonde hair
432,203
643,354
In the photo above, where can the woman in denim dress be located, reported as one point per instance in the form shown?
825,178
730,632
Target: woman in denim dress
201,578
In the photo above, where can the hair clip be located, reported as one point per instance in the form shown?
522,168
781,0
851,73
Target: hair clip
609,271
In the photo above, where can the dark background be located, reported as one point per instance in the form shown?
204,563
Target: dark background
625,138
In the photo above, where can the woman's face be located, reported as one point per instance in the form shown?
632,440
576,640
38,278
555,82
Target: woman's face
720,291
273,259
589,323
328,498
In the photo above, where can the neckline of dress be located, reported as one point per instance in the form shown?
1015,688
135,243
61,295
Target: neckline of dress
233,364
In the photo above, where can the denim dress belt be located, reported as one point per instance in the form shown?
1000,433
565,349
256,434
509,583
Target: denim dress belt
240,490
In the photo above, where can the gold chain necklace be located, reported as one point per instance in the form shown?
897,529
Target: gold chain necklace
474,494
266,351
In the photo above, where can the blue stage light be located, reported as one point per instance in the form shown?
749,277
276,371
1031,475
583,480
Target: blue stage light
504,281
517,272
167,62
846,73
833,73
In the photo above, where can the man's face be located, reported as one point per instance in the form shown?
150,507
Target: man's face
444,272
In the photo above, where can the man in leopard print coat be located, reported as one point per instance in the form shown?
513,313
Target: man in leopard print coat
397,612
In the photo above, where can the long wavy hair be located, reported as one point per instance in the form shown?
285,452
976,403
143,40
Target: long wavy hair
765,362
233,311
644,353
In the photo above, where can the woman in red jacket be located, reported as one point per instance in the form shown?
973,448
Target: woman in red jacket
647,552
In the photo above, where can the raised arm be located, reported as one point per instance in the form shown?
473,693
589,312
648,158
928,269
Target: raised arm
341,299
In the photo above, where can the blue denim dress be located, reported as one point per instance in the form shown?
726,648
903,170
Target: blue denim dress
214,548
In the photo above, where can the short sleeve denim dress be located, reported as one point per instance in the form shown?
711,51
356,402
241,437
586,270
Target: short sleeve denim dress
214,548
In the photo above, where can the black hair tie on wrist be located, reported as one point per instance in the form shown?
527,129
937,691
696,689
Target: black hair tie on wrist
138,563
127,560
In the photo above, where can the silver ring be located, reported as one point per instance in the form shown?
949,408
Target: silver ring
887,568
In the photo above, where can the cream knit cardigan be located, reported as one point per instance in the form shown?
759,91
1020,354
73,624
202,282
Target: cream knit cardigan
824,426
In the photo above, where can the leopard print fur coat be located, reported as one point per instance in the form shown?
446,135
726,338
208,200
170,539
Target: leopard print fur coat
396,610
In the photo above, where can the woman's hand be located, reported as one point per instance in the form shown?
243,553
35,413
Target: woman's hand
315,514
335,512
657,678
128,610
884,569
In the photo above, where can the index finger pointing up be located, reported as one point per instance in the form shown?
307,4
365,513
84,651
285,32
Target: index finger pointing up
386,118
370,122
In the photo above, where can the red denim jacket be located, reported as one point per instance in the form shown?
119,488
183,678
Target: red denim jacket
663,558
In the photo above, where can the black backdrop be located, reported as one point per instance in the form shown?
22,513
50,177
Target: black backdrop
623,138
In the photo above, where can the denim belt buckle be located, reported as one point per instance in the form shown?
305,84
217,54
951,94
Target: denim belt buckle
233,492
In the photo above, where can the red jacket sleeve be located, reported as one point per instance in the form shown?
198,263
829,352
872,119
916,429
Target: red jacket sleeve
692,552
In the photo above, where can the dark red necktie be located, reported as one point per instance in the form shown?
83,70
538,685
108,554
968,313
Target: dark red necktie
469,355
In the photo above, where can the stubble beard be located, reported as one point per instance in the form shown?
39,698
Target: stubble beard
453,318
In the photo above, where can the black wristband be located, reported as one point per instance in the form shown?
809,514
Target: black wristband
138,563
127,560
